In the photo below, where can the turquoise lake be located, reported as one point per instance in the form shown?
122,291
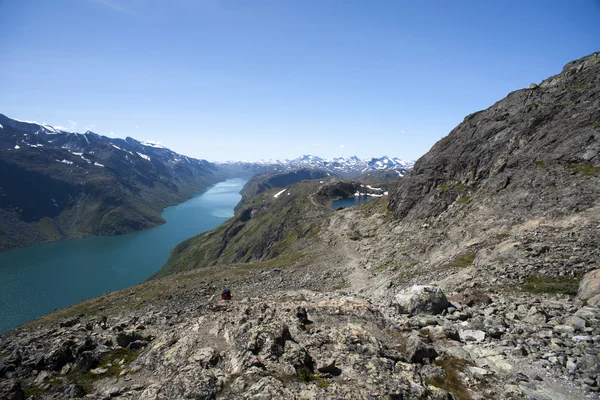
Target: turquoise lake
349,201
38,279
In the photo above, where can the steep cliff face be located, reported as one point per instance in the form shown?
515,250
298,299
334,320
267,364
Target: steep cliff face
534,152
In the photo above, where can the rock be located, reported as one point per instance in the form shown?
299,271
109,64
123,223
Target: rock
114,391
576,322
15,392
69,322
480,371
74,391
518,351
496,332
432,372
302,315
86,361
536,316
417,350
39,379
471,335
571,367
470,298
138,344
328,366
59,358
589,286
206,357
125,338
421,299
563,329
421,321
582,339
594,301
98,371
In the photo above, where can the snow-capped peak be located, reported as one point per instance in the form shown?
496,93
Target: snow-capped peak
151,143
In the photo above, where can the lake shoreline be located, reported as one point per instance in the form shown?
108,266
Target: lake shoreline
41,278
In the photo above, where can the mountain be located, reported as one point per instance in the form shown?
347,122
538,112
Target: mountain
349,168
477,277
60,185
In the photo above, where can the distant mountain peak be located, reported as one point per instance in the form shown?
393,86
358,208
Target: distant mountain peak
346,167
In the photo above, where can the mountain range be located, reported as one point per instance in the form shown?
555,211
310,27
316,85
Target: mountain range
56,184
344,167
60,185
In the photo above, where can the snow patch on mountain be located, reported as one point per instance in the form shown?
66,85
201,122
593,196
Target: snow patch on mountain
151,143
276,195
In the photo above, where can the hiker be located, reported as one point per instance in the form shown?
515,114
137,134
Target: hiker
226,295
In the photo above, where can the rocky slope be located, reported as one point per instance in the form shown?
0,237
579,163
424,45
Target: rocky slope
265,181
477,278
60,185
275,217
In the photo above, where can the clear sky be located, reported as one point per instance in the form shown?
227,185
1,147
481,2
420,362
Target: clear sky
252,79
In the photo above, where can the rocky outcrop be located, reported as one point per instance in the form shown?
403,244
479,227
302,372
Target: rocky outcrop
532,153
421,299
589,288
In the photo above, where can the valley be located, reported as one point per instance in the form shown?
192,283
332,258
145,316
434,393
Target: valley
475,277
41,278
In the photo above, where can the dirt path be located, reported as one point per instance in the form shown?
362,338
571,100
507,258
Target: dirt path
358,277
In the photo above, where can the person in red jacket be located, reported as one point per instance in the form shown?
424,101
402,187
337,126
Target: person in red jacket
226,295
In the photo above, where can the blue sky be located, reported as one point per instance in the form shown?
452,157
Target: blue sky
275,78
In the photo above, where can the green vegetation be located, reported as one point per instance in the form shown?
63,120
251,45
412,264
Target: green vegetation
452,380
462,261
552,285
502,235
463,199
31,391
114,362
596,126
306,376
586,169
539,164
444,187
265,228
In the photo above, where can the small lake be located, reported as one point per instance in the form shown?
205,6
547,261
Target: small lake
38,279
349,201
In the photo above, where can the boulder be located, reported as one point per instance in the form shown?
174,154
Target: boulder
417,350
589,286
125,338
59,358
421,299
576,322
472,335
594,301
536,316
